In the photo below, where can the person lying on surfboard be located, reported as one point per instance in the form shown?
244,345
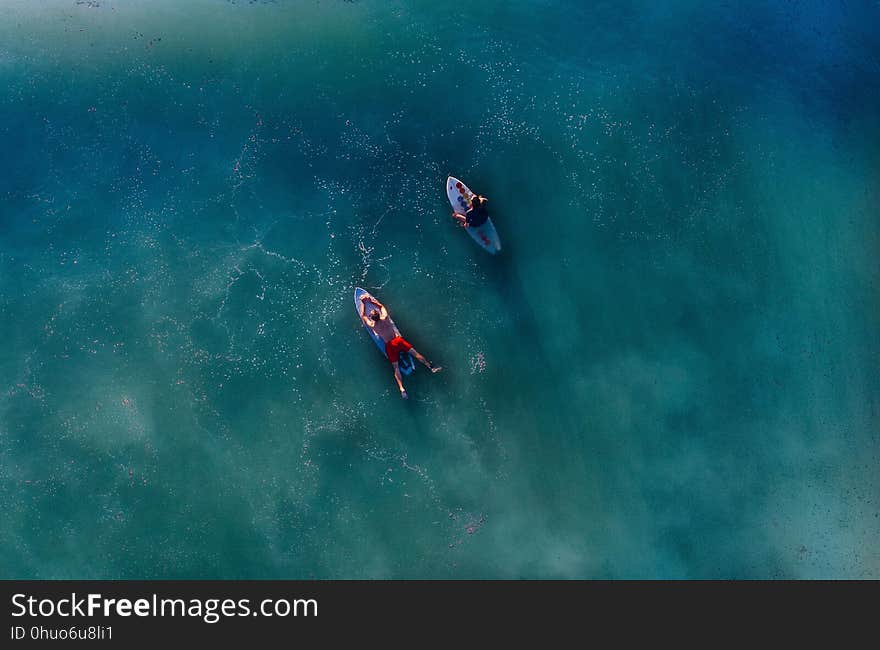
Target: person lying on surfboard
378,321
476,215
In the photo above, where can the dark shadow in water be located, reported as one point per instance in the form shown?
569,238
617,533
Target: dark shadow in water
503,277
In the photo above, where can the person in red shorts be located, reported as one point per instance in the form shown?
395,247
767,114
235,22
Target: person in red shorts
378,321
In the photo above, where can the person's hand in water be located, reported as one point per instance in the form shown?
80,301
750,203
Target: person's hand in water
403,394
436,369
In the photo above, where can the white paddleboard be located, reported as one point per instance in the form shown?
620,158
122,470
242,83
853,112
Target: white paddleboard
460,197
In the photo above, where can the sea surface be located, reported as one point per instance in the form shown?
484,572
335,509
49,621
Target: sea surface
672,370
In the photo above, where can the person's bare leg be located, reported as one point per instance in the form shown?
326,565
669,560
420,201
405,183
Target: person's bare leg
399,380
424,361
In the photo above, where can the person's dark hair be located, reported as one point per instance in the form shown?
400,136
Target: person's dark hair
375,314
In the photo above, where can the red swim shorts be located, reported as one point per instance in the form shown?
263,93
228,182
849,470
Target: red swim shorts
395,346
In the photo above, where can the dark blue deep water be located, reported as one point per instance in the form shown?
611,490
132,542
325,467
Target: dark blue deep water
671,371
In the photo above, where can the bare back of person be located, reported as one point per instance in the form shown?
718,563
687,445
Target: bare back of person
384,328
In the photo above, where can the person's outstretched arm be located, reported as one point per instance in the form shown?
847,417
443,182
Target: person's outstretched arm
430,366
369,322
383,313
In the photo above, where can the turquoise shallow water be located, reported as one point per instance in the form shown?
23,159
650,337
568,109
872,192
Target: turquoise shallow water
671,371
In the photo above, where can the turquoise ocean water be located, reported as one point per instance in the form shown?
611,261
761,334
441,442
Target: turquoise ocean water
670,371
